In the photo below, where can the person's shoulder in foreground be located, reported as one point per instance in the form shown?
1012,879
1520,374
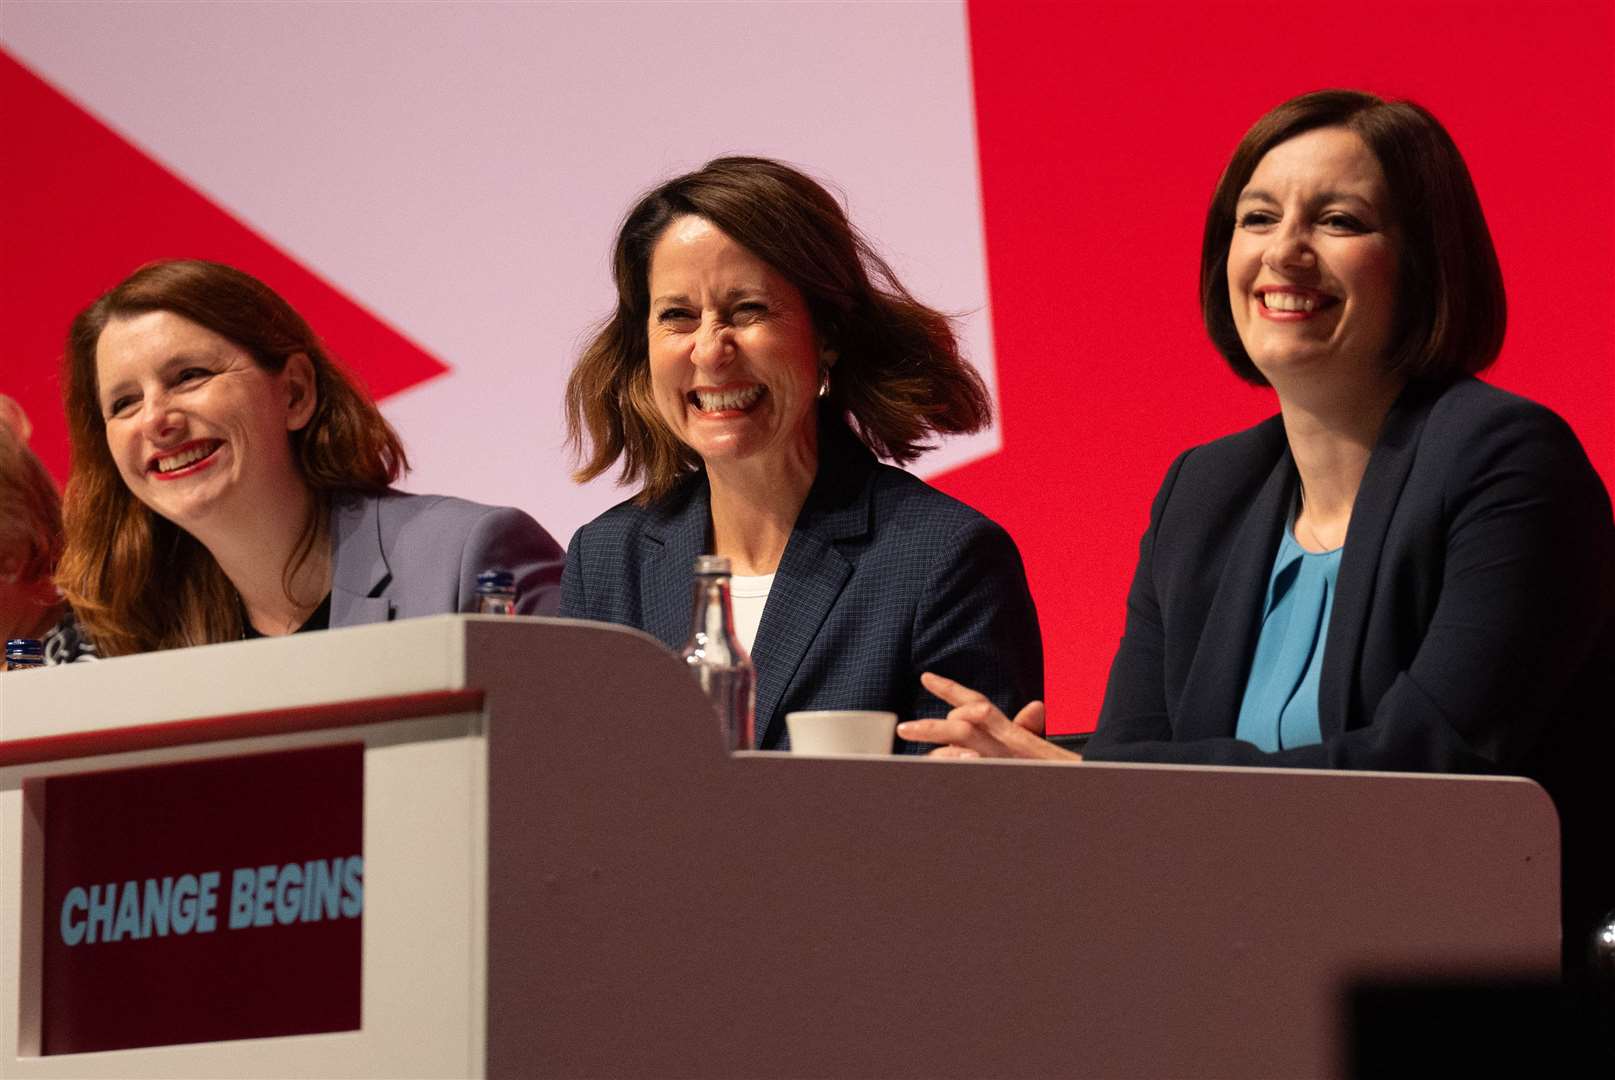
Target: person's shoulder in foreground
423,553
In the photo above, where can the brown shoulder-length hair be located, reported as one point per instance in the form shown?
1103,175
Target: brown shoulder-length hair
899,376
1451,310
137,581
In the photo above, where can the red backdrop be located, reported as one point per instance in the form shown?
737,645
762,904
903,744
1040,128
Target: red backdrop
1102,130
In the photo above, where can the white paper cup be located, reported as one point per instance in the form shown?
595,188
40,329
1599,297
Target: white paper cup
841,731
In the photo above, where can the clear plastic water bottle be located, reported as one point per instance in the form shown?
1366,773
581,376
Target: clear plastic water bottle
496,593
716,657
24,653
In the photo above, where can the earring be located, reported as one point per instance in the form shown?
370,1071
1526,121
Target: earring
824,383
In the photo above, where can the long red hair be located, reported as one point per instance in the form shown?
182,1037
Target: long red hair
137,581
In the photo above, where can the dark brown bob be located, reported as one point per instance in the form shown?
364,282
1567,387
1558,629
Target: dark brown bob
899,376
1452,311
136,581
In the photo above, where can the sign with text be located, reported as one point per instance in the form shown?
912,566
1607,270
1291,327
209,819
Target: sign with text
208,900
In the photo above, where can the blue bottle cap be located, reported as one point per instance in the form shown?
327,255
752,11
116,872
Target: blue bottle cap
495,581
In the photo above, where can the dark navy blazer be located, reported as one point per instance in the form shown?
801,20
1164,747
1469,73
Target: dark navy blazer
883,577
1473,628
396,556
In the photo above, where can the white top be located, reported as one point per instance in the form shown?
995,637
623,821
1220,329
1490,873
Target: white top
748,595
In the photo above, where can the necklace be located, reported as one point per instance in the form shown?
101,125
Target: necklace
1304,522
1317,543
1311,531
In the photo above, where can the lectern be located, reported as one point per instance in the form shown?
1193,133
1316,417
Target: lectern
471,846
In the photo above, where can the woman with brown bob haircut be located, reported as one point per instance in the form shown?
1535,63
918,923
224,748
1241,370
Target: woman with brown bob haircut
229,480
1405,569
759,358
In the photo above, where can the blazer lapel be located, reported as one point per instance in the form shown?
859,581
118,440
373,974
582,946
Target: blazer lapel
811,575
1387,472
666,590
359,570
1216,680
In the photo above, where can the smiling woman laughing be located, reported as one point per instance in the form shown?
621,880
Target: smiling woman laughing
1405,569
229,480
759,357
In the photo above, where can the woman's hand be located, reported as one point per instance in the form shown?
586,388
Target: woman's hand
975,728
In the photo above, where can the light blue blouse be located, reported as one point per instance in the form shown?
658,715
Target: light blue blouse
1280,709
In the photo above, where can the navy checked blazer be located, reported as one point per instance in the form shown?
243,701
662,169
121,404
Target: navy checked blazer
883,577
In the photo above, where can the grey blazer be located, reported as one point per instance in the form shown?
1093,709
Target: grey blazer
398,556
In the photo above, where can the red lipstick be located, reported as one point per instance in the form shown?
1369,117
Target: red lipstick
210,446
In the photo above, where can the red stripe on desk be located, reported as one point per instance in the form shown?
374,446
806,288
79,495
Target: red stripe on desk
238,726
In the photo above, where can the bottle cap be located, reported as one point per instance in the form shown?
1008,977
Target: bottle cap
712,564
495,580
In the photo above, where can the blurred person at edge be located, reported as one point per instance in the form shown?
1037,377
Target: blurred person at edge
30,543
1347,264
229,480
760,356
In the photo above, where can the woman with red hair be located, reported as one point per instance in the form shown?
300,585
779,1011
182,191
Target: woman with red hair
229,480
